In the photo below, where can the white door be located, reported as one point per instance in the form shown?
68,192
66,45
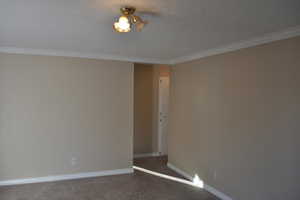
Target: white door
163,105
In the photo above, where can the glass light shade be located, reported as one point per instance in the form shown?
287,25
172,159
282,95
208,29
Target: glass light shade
122,25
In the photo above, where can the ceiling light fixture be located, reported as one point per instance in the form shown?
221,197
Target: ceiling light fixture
128,21
123,25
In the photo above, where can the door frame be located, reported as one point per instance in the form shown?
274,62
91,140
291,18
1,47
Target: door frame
159,135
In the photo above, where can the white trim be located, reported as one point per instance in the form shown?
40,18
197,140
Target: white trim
179,171
267,38
161,145
53,52
216,192
155,154
208,188
143,155
66,177
180,180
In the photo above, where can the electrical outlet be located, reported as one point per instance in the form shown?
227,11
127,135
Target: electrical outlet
73,161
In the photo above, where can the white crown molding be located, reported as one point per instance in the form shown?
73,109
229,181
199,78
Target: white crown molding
288,33
275,36
66,177
208,188
51,52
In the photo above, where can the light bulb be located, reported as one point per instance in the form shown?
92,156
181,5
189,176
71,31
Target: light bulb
122,25
123,19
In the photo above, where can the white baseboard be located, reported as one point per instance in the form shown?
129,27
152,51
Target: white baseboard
216,192
179,171
143,155
66,177
208,188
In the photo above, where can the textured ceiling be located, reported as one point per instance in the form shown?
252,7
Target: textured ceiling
177,27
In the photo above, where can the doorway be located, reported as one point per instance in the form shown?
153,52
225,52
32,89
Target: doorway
151,106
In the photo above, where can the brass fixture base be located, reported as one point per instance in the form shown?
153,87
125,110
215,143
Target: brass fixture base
127,10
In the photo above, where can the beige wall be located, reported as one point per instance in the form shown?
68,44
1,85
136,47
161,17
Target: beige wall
56,108
143,108
235,121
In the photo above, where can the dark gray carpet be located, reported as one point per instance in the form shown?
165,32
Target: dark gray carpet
136,186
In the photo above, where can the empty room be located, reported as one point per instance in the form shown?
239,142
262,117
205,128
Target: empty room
150,100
